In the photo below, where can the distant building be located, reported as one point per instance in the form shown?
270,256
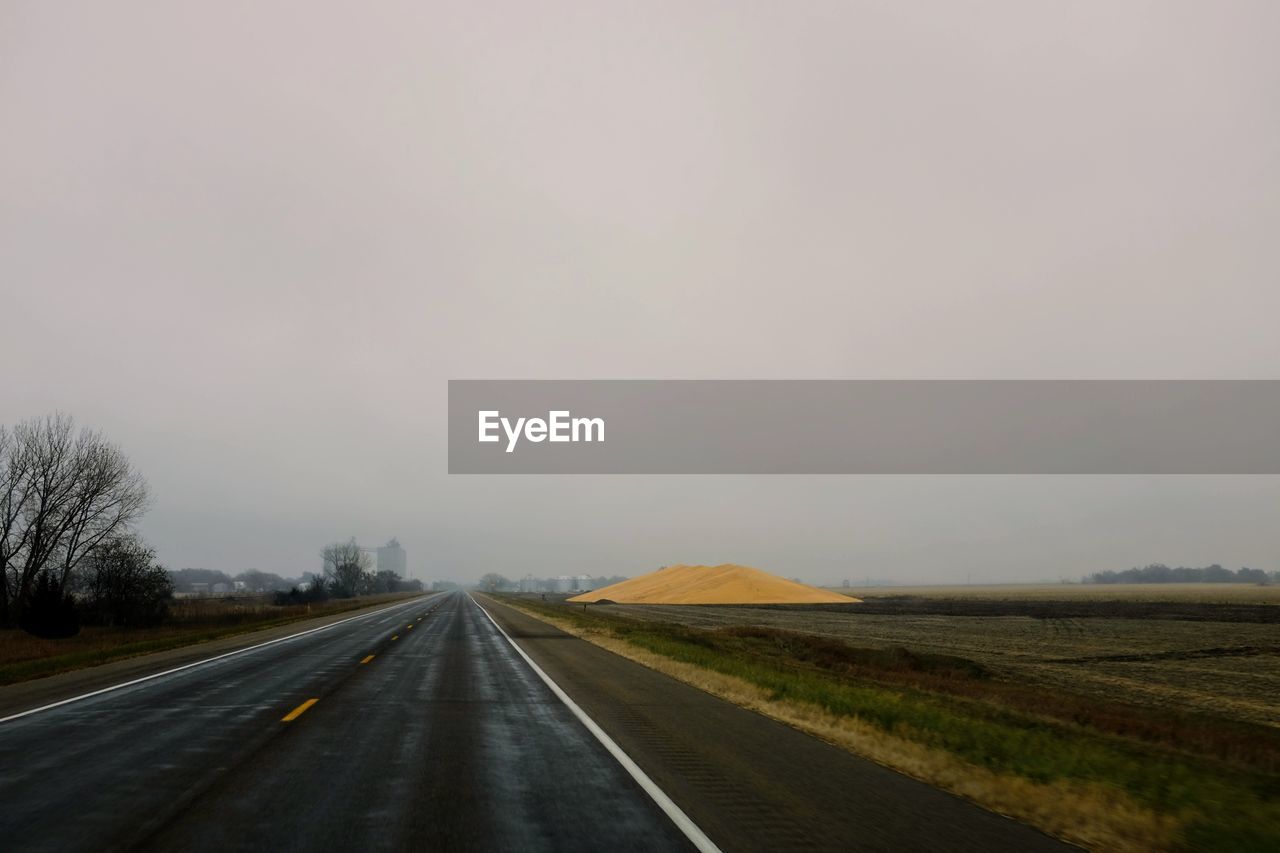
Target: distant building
529,584
392,558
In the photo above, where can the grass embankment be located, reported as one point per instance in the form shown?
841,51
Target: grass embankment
1107,775
24,657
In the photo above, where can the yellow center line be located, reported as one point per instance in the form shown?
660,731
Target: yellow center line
366,660
396,637
298,711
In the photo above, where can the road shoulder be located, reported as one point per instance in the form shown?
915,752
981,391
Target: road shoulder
749,781
25,695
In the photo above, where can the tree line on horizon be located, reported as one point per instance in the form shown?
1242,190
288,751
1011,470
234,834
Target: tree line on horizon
348,577
348,573
495,582
1160,573
189,580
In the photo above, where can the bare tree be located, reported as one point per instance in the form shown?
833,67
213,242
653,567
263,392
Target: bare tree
347,567
492,582
385,581
62,492
13,477
123,584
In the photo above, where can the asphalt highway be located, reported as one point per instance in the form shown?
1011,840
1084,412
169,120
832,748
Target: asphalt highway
421,726
428,732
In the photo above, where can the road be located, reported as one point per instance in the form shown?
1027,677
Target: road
445,739
429,730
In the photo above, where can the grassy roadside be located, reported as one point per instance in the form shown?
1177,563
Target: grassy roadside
1101,774
23,657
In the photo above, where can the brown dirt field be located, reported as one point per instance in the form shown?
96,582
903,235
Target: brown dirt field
1224,668
1206,593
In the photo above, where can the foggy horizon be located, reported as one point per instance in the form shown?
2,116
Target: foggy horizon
251,244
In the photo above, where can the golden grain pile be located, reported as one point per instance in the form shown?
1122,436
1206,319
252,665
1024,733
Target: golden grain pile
723,584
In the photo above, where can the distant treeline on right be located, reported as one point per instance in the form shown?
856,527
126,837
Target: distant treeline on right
1160,573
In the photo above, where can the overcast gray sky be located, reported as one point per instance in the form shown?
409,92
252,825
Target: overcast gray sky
251,241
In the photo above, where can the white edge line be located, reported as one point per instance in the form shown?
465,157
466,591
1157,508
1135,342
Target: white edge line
682,821
155,675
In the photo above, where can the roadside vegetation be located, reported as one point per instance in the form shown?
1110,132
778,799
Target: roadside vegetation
1106,774
25,656
79,586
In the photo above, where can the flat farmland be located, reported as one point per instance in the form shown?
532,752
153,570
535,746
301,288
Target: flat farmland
1202,593
1211,650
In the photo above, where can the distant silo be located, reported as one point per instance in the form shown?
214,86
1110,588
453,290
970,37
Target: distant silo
392,558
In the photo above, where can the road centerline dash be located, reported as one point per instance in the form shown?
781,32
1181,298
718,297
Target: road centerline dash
298,711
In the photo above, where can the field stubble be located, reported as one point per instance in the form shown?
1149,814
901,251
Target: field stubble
1199,593
970,704
1226,669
